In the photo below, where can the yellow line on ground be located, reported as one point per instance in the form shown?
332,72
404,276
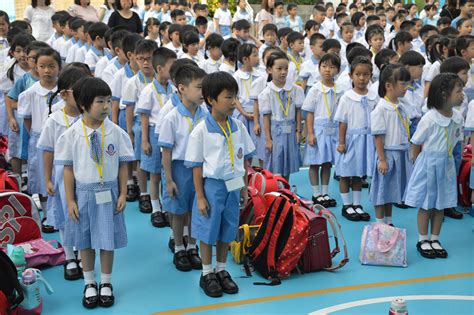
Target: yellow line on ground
287,296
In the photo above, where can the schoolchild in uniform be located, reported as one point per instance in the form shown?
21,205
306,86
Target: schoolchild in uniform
131,93
269,31
56,124
295,48
355,149
174,40
213,53
309,72
437,53
229,51
80,54
320,149
219,150
70,38
33,108
432,186
118,61
374,36
390,125
59,32
223,19
247,55
280,103
173,138
96,51
109,54
152,99
78,39
190,40
95,152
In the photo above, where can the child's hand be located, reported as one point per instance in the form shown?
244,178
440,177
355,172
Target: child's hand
383,167
146,147
269,145
172,189
298,137
341,148
311,140
203,206
248,116
121,202
50,188
256,129
13,124
73,211
244,196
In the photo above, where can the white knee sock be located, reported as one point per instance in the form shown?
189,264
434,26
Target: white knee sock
206,269
346,199
422,238
89,278
156,205
356,197
105,278
388,220
316,191
325,189
68,250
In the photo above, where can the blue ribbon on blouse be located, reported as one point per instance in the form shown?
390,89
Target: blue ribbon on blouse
96,150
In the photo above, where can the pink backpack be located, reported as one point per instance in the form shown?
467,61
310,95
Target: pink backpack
41,252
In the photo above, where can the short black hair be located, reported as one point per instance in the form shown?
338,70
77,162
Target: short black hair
178,64
441,88
372,18
332,59
241,25
401,37
278,3
229,48
340,16
145,46
186,75
361,60
77,24
49,52
373,30
283,32
358,51
449,31
412,58
331,43
97,29
175,13
425,29
173,28
269,27
443,21
392,74
245,50
319,8
162,55
201,20
382,58
454,65
189,38
291,6
87,89
217,82
315,37
34,3
36,45
129,42
117,38
293,37
214,40
407,25
352,46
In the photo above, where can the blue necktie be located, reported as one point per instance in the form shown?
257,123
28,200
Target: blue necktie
364,101
96,150
283,97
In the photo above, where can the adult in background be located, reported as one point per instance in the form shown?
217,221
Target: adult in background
106,10
39,14
265,16
124,16
84,10
451,10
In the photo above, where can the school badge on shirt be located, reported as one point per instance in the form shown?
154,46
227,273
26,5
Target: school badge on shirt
111,150
240,154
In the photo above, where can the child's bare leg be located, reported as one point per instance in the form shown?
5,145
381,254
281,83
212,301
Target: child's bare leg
388,213
88,261
155,191
314,180
16,165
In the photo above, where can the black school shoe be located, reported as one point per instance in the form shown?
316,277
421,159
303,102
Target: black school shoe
440,253
427,253
144,204
453,213
228,285
363,216
365,183
158,219
171,244
106,300
319,200
91,301
132,192
181,261
330,202
73,273
194,259
210,284
45,228
350,216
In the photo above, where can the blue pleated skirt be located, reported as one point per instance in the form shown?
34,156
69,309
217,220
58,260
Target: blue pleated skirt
57,204
358,160
285,156
137,132
325,149
36,183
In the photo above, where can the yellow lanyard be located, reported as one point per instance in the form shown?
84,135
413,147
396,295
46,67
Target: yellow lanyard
450,146
190,123
247,85
65,119
287,109
158,95
404,121
326,100
297,63
230,143
100,167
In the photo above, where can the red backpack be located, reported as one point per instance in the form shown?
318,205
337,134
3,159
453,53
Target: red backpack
255,210
9,181
464,191
265,181
281,239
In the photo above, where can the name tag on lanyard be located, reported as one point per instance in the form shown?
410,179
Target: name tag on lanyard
102,197
234,184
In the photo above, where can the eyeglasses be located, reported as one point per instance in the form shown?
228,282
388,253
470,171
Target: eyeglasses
142,59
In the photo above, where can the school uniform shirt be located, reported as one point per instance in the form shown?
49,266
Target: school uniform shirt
469,125
244,81
385,120
118,84
258,86
354,110
178,51
66,49
307,53
310,71
224,17
103,63
293,72
413,99
389,38
209,65
296,24
279,21
322,101
58,43
133,88
242,15
230,69
325,30
56,124
71,53
52,39
416,44
80,55
172,102
176,128
273,99
196,58
344,81
5,83
166,17
328,24
33,104
111,72
92,57
21,84
152,99
433,71
72,149
208,148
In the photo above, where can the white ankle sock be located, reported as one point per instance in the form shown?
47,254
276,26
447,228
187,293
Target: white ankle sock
130,182
206,269
325,189
178,248
186,231
68,250
134,173
191,246
350,210
435,245
44,207
316,191
346,200
422,238
380,220
356,197
220,266
105,278
155,204
89,278
388,220
171,234
144,194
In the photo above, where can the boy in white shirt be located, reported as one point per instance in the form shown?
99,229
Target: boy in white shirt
97,35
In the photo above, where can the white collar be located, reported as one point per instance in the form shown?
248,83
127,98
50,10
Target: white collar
245,75
58,117
288,86
42,91
388,105
442,120
351,94
108,125
319,87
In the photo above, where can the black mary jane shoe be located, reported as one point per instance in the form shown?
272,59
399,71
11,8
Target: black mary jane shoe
319,200
331,202
350,216
365,183
364,216
401,206
45,228
106,300
158,219
228,285
453,213
144,204
427,253
167,218
132,192
440,253
181,261
72,273
91,301
210,284
171,244
194,259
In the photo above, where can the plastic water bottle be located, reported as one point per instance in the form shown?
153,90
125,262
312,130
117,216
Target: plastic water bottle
398,307
17,255
31,288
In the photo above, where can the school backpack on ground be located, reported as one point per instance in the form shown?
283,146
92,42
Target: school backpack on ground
9,181
255,210
464,191
317,254
240,247
11,293
265,181
281,239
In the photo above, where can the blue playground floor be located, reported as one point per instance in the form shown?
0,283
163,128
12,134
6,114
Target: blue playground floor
146,282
